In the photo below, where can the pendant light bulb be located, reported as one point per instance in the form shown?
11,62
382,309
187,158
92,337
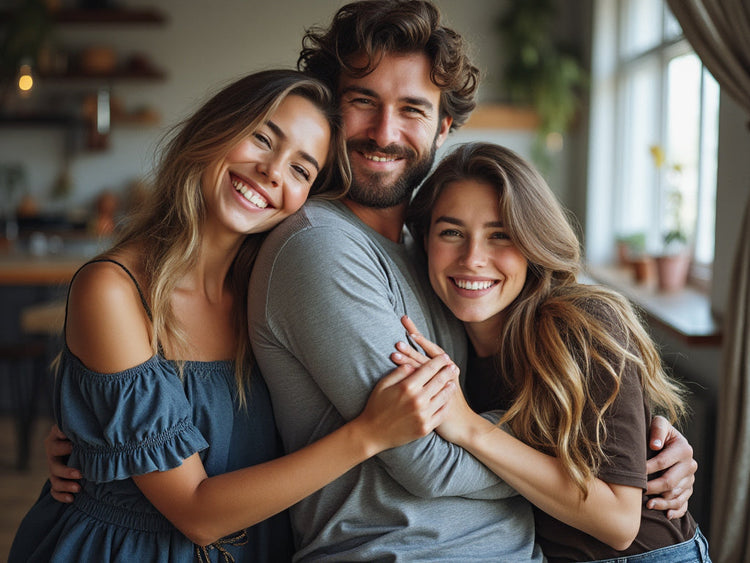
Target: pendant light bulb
25,78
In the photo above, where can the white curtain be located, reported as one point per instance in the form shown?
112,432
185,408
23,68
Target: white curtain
719,31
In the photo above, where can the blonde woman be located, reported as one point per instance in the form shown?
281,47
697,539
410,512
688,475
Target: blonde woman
170,424
571,363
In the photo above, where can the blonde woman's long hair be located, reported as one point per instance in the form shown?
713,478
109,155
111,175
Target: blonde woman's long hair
561,341
167,227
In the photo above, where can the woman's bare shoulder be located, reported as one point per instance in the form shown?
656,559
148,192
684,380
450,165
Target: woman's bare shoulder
107,326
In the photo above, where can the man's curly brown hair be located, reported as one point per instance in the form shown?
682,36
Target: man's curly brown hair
374,28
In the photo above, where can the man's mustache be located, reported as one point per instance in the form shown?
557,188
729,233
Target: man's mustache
369,146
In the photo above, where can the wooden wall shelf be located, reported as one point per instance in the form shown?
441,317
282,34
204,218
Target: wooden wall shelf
120,74
137,68
502,116
139,16
116,16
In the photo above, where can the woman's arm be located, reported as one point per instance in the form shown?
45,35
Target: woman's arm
108,331
405,405
611,513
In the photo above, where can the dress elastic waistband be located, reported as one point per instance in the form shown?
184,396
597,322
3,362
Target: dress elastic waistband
141,521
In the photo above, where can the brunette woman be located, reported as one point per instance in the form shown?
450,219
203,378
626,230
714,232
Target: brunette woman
571,363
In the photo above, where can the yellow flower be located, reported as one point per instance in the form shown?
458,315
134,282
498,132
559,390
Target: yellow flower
657,153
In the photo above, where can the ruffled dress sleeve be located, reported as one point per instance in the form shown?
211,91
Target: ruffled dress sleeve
127,423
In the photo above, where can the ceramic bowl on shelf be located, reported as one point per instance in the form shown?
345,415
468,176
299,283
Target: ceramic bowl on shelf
98,60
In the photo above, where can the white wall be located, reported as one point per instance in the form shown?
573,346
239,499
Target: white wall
201,47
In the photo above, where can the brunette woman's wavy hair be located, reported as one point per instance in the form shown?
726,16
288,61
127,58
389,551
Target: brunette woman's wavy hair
167,227
374,28
562,342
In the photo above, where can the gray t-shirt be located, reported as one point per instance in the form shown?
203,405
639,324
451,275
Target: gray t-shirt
325,301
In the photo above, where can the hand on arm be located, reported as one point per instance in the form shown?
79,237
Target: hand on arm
63,479
336,336
538,477
674,486
405,405
108,331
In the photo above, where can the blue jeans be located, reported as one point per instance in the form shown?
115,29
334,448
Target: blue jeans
691,551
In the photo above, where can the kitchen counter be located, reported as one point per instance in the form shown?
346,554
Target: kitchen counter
19,266
32,270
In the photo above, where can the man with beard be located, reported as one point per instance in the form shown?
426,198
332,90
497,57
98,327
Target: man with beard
332,282
329,288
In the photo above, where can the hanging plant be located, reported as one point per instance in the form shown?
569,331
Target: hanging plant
540,73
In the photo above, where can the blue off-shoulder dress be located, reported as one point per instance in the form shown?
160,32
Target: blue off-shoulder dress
149,419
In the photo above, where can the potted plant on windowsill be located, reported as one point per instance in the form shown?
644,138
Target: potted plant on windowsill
673,264
631,251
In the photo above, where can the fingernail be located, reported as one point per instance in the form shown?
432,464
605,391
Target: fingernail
657,443
397,356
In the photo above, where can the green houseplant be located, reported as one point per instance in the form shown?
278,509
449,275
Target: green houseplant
673,263
540,71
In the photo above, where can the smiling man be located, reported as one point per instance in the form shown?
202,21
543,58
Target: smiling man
332,282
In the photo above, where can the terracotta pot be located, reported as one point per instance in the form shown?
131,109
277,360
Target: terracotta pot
623,254
643,269
672,271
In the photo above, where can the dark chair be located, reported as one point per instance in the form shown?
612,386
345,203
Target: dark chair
26,365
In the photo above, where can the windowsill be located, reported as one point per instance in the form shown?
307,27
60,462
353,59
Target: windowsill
686,314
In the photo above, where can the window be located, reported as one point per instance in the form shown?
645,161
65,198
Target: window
654,134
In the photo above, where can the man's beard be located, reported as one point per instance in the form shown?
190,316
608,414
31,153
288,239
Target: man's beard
372,192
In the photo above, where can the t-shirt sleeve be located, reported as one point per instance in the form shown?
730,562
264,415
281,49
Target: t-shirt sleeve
333,312
127,423
625,445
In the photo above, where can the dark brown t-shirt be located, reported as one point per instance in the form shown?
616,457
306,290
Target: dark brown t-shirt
627,423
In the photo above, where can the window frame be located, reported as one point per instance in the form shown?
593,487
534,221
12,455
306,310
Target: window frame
613,74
